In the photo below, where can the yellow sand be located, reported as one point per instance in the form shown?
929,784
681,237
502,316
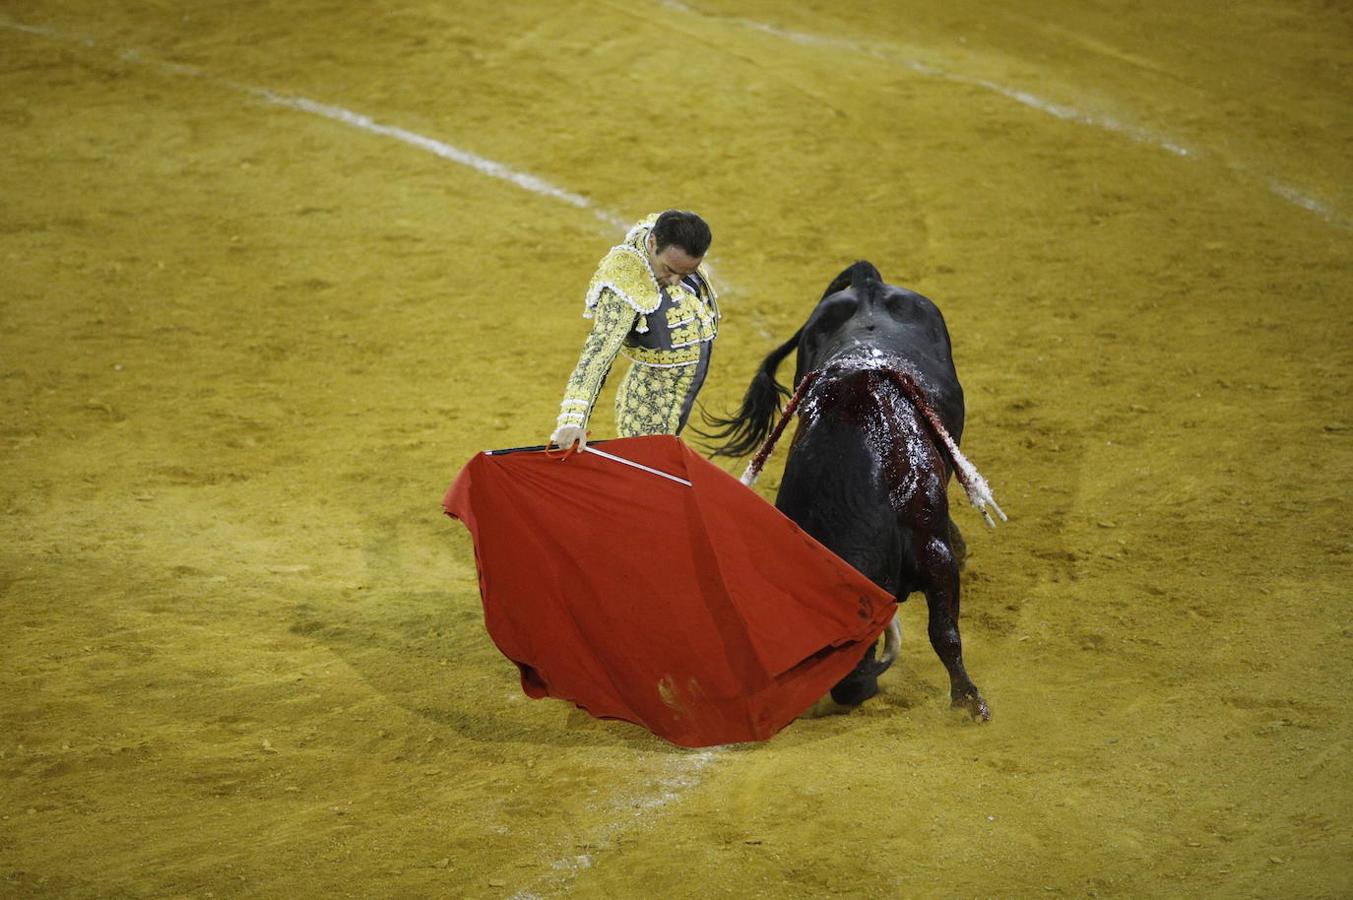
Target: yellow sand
244,349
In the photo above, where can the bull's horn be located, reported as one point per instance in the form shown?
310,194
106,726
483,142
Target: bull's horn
892,642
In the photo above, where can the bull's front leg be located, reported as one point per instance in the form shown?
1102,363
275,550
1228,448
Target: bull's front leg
940,568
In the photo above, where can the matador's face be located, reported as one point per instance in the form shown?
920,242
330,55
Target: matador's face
672,264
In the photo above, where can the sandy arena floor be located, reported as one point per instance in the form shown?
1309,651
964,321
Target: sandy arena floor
251,326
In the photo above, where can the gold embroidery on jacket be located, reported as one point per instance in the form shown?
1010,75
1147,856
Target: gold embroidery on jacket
622,296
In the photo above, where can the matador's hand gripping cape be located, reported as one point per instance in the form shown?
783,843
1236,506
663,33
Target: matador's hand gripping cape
671,596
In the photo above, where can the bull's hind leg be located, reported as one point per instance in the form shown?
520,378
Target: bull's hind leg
939,566
959,545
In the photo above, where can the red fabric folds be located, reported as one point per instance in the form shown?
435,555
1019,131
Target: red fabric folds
697,611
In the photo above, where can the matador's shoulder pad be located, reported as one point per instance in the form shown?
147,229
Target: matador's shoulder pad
625,272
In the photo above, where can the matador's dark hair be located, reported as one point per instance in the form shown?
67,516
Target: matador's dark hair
684,229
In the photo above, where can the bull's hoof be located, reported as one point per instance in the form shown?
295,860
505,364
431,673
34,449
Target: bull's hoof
975,705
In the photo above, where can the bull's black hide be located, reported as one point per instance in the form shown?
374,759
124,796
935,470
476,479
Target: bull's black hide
866,475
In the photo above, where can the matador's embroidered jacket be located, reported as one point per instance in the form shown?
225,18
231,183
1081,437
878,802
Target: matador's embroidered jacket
666,332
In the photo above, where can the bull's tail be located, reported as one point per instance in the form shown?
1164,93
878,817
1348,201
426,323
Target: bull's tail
744,431
974,485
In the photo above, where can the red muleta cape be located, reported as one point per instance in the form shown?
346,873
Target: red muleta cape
682,601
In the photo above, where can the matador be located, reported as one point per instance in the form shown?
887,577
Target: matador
650,301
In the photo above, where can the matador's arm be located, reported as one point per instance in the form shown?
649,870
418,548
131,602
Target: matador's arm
612,320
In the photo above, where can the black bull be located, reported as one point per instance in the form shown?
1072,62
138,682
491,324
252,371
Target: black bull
866,473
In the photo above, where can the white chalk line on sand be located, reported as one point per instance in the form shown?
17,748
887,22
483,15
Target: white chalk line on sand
474,161
1059,110
481,164
631,813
